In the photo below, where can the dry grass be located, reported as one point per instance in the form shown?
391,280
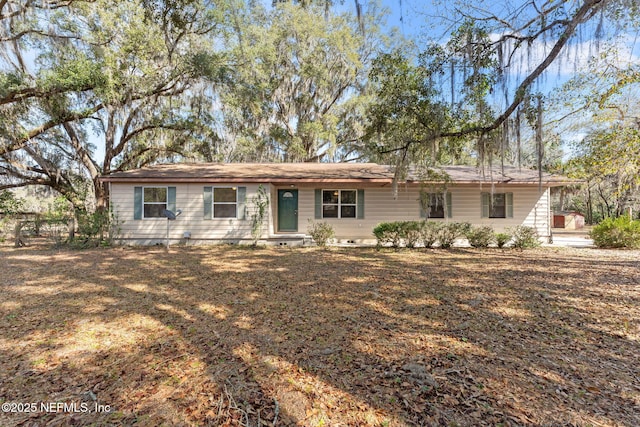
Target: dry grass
343,337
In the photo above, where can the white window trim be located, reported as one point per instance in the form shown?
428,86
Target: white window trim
214,203
154,203
340,204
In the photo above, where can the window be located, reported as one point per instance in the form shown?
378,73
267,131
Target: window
225,202
497,205
154,202
339,203
150,202
432,205
435,205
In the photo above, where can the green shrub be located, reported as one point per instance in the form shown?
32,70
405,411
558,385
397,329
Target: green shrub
429,233
99,228
397,233
480,237
59,211
621,232
321,232
411,233
389,232
448,233
525,237
502,239
92,228
10,204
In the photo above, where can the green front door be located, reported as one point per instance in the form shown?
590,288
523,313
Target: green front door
287,210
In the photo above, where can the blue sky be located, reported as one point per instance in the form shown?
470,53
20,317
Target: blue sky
404,17
415,19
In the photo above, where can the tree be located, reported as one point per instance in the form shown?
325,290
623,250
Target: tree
300,77
599,107
610,163
495,64
116,73
406,118
10,204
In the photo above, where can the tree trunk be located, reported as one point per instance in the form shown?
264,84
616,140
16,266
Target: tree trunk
17,233
101,191
605,202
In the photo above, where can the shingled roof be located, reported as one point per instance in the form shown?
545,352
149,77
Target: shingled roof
327,172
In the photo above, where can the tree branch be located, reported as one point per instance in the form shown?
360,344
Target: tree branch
47,5
23,33
117,149
23,141
34,92
128,137
81,151
586,11
31,181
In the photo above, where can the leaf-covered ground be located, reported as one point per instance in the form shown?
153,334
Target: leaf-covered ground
342,337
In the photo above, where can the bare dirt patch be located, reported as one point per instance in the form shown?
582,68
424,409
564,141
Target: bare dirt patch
342,337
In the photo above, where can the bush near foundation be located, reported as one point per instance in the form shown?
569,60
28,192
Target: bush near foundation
481,237
419,233
450,232
429,233
389,233
321,233
502,239
525,237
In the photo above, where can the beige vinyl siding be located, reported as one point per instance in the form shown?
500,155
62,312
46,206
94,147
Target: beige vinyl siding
530,208
189,198
379,206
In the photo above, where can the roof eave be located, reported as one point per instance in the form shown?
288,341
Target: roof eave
509,182
186,180
230,180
